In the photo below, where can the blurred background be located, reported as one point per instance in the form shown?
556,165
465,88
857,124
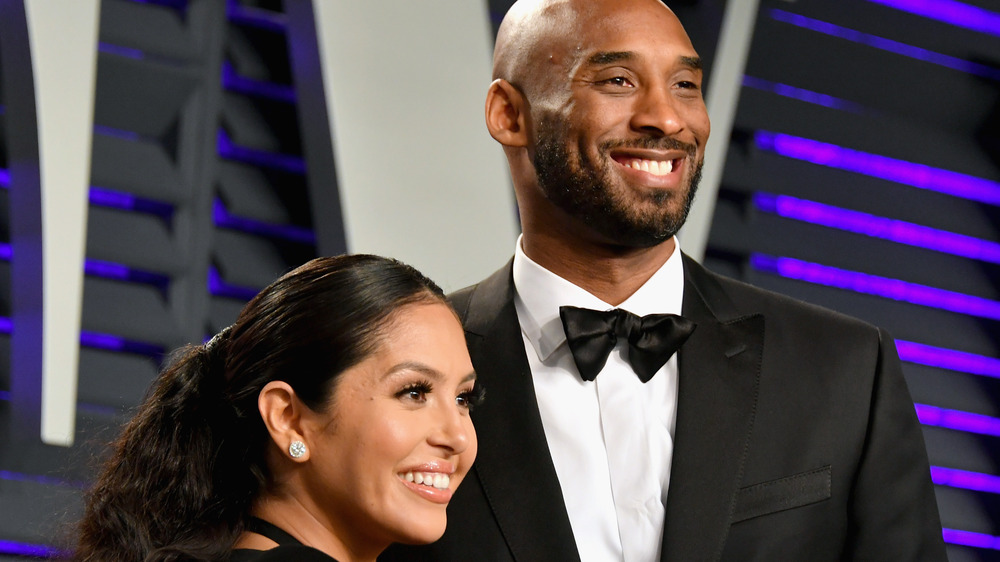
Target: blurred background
857,145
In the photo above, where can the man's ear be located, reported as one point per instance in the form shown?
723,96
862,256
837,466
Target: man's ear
281,411
506,111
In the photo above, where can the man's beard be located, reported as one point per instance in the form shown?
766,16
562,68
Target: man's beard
586,192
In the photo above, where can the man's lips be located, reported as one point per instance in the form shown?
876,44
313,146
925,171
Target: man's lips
659,168
655,167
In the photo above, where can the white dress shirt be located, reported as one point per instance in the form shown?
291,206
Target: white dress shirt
611,439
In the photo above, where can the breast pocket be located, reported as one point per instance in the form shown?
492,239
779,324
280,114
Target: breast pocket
784,493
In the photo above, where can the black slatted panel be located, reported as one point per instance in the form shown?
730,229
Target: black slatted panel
198,200
871,81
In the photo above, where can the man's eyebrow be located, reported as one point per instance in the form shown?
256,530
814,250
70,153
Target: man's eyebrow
608,57
693,62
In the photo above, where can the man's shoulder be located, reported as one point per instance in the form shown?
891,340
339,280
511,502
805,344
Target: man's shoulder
484,300
776,307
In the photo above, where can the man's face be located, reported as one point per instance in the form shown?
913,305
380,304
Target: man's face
619,147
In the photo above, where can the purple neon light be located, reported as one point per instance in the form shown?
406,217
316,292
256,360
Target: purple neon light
33,550
127,202
104,197
885,44
879,286
120,272
224,219
228,149
958,420
965,480
950,359
108,270
220,288
882,167
951,12
801,94
117,133
232,81
120,51
255,17
969,538
878,227
39,479
101,341
180,5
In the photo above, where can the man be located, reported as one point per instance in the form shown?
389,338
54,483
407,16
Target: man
780,431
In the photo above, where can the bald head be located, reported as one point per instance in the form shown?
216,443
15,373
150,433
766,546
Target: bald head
539,38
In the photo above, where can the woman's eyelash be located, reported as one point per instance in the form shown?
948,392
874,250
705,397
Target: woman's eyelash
416,388
472,398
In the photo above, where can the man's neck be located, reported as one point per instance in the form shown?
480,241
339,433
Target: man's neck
610,273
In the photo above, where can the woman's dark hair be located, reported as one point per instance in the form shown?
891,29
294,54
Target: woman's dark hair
183,475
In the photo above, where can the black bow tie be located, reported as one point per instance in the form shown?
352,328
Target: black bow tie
652,339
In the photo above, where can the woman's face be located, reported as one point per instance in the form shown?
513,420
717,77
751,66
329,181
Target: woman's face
397,439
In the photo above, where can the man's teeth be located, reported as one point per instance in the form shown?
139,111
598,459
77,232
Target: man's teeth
435,479
655,167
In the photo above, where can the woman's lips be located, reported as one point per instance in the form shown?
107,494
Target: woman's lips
432,486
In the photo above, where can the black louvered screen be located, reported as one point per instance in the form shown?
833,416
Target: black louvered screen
198,200
863,174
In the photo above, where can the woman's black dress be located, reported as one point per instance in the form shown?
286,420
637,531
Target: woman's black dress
288,549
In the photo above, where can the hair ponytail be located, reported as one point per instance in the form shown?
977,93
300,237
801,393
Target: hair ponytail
159,486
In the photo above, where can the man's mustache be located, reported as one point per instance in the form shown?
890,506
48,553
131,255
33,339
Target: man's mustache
650,143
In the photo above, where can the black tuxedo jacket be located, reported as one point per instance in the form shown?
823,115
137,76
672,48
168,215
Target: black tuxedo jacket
796,439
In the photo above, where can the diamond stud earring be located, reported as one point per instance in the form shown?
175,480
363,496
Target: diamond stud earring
297,449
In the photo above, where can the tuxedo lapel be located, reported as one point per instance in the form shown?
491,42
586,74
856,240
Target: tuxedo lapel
719,372
513,464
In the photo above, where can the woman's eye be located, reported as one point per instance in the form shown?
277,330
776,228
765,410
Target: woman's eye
414,393
471,398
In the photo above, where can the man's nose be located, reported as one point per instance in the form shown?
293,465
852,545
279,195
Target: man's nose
655,113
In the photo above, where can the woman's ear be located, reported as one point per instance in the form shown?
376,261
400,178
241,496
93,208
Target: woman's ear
506,111
281,411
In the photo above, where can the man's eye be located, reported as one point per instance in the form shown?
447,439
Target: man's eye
687,85
618,81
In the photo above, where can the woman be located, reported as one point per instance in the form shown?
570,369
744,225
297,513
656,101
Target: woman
329,421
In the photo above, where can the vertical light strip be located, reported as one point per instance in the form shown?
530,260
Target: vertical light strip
730,61
64,61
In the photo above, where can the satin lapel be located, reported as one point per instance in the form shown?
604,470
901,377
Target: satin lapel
719,370
513,464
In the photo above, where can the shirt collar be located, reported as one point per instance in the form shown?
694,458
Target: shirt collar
539,293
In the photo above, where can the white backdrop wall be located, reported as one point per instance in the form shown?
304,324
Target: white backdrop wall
420,178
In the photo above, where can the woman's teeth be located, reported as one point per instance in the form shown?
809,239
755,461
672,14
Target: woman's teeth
435,479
